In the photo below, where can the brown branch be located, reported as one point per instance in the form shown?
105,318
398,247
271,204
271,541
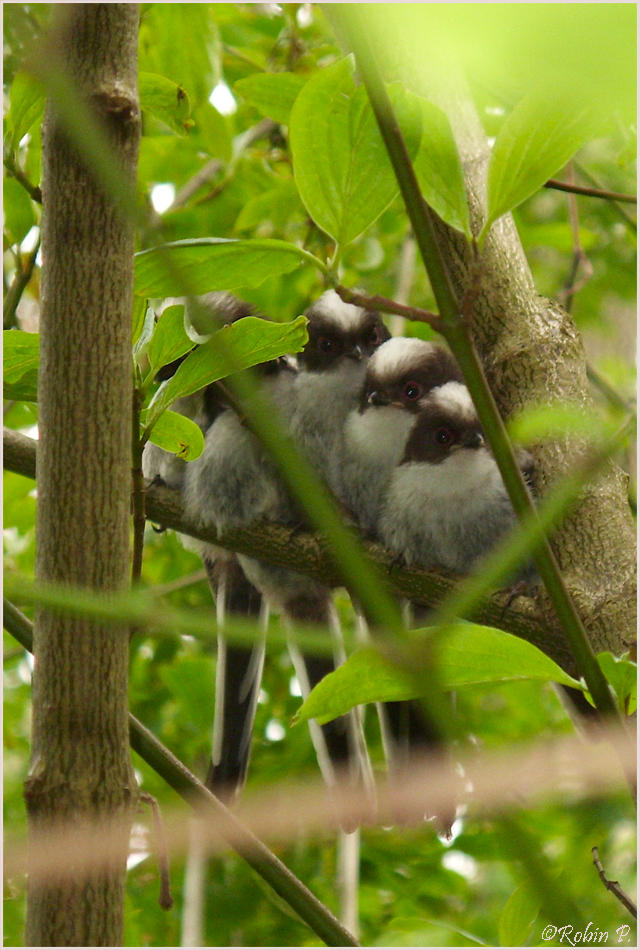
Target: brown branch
613,886
389,306
589,192
306,553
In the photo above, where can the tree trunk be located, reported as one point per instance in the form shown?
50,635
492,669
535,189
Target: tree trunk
532,353
80,766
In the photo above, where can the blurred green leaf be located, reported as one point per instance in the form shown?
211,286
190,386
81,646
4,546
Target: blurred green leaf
27,106
138,318
559,420
276,205
175,433
341,165
19,216
468,655
518,916
246,343
622,674
439,169
20,365
540,136
165,101
202,265
169,340
273,94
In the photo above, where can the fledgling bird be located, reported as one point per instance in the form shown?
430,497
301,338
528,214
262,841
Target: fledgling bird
399,376
238,669
234,482
446,504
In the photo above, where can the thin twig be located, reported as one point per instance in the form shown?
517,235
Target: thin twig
571,284
607,390
613,886
628,220
18,286
166,898
589,192
180,582
389,306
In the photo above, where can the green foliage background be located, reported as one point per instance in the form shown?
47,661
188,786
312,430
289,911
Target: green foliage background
416,889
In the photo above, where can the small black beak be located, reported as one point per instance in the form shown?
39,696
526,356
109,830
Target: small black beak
379,398
474,441
355,353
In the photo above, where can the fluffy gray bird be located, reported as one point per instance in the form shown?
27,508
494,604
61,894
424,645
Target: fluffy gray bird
446,504
398,378
234,482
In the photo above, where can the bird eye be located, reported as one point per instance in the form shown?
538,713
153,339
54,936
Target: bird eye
443,436
325,344
413,390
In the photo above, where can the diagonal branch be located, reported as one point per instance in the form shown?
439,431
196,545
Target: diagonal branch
254,852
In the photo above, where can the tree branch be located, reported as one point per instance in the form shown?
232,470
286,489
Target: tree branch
589,192
613,886
307,553
18,285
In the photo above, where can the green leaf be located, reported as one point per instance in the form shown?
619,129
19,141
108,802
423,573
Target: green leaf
20,365
246,343
273,94
518,916
19,216
277,205
341,165
468,655
540,136
622,673
165,101
27,106
146,331
175,433
439,169
205,264
138,318
169,340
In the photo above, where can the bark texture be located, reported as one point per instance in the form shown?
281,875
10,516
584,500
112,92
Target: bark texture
80,766
532,354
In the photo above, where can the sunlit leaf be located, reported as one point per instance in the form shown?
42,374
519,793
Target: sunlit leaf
175,433
165,101
518,916
27,106
19,216
273,94
622,674
469,655
205,264
20,365
169,340
247,342
540,136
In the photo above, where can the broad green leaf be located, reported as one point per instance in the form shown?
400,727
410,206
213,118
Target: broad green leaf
166,101
20,365
518,916
540,136
469,655
622,673
205,264
145,332
169,340
439,169
211,132
19,216
276,205
246,343
273,94
138,318
27,106
341,165
175,433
